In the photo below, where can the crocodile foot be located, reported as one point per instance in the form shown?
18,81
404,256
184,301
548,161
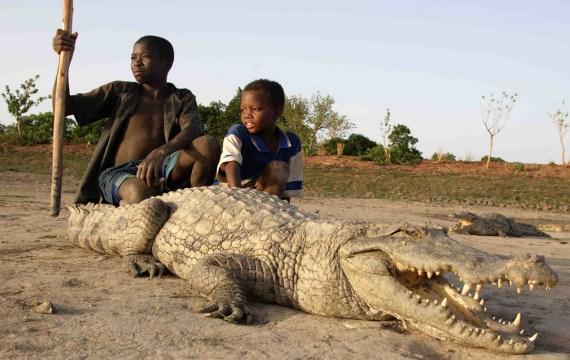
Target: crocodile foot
138,265
232,313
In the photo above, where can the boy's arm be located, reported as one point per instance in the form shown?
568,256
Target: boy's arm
64,41
231,157
233,173
191,128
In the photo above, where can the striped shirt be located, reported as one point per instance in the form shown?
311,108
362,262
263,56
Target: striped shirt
253,155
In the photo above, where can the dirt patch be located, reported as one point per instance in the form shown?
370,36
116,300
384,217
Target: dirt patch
101,312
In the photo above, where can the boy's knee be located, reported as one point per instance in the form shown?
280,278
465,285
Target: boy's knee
133,191
278,170
207,146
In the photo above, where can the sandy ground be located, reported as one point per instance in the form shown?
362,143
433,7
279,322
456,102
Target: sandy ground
104,313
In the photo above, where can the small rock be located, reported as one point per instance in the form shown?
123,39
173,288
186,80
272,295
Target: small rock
44,308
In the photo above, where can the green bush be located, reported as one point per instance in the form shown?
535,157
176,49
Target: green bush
36,129
357,145
402,150
441,156
493,159
376,154
518,166
89,133
330,145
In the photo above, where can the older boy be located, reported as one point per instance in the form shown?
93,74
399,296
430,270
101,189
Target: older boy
152,141
256,153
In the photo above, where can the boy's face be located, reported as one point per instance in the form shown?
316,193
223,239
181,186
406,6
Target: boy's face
257,113
147,66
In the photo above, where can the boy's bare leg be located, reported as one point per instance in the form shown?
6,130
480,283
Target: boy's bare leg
197,164
134,190
274,178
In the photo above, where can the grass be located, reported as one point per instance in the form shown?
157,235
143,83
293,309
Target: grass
505,191
547,193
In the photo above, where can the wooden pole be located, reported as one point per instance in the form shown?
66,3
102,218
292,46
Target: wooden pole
59,114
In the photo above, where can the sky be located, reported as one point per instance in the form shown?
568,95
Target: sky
428,61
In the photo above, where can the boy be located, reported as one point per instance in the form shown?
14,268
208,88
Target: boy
152,141
256,153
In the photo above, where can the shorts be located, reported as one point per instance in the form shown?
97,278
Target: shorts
111,179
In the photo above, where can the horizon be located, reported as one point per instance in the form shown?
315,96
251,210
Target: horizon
430,64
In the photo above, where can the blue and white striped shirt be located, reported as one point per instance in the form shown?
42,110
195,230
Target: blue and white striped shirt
253,155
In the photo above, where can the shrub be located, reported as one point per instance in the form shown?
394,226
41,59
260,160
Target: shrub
376,154
493,159
357,145
37,129
518,166
402,150
330,146
441,156
89,133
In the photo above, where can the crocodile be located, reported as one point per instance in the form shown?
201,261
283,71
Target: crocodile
239,245
493,225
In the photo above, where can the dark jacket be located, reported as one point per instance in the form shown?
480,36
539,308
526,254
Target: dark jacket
117,101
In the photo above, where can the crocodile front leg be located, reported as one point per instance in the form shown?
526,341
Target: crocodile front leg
227,280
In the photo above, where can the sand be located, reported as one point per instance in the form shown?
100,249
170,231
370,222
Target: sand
102,312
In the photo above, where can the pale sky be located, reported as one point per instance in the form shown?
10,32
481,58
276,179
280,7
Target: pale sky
428,61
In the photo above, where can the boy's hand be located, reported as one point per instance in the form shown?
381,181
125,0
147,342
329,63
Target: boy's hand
64,41
149,170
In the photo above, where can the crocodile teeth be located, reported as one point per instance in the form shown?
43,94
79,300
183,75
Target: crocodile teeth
517,320
510,283
437,273
444,302
482,302
521,332
478,287
531,287
519,290
466,289
420,272
499,283
429,274
533,338
476,296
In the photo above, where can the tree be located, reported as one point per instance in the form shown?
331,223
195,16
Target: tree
495,115
561,121
331,145
218,117
295,113
19,102
90,133
402,150
36,129
357,145
212,117
323,122
386,129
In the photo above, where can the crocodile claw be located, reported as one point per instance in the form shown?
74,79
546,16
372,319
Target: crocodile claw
138,265
231,313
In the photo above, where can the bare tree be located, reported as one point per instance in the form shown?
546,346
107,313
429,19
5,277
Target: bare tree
560,119
386,129
495,113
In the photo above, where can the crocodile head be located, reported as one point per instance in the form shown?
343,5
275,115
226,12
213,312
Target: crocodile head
406,273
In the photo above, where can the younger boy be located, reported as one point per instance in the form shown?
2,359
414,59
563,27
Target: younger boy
256,153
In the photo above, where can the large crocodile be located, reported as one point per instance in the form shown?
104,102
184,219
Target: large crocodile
234,245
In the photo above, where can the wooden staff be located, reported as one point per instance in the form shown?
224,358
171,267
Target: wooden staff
59,114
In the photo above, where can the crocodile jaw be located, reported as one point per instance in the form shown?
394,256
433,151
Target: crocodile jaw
382,274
